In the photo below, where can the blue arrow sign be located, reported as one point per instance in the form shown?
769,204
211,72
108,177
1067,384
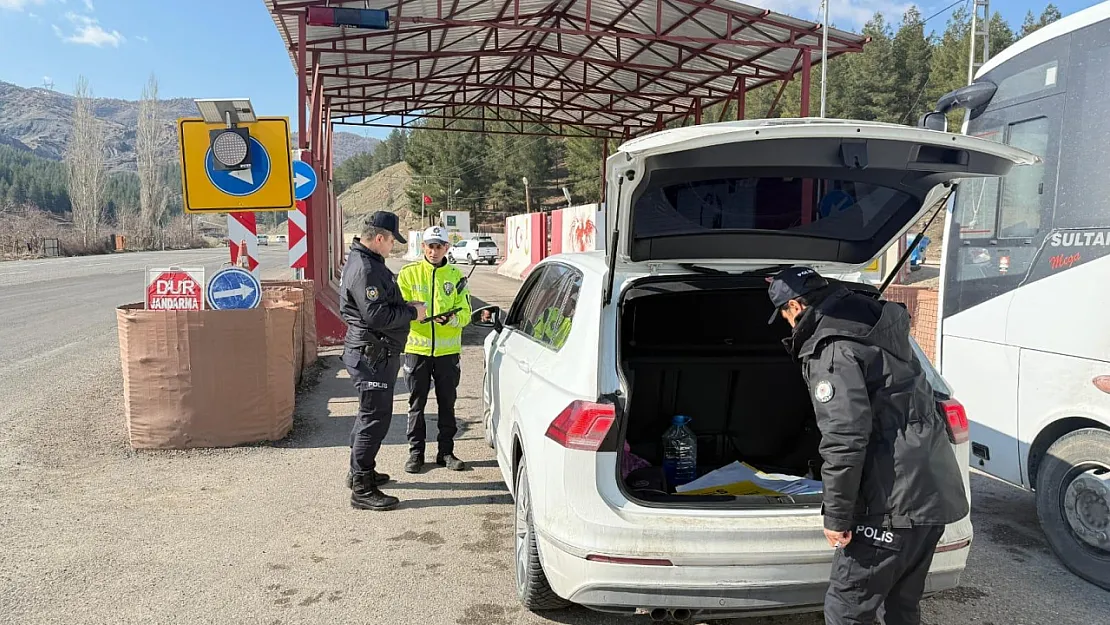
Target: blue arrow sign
244,181
304,180
232,288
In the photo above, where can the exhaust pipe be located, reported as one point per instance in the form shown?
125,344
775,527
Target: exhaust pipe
658,614
681,614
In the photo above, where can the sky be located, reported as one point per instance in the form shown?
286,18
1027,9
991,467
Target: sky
231,48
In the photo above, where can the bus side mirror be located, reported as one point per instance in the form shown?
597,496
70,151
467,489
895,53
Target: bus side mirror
935,121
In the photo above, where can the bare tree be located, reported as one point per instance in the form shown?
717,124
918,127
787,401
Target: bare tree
152,139
85,165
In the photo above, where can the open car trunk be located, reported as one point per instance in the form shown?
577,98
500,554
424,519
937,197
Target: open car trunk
700,346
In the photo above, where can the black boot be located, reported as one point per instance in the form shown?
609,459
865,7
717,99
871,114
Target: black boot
380,479
451,462
415,463
366,496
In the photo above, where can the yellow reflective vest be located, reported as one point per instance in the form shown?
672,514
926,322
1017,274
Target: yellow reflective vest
552,328
441,289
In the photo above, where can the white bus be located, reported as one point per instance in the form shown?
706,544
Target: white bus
1024,336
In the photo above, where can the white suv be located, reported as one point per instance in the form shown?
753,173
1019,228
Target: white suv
599,351
478,249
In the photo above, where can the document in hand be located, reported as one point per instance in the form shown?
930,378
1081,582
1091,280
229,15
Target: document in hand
739,479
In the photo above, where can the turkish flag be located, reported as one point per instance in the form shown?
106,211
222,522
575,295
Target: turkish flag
427,200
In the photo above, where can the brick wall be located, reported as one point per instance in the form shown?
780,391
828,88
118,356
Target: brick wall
921,303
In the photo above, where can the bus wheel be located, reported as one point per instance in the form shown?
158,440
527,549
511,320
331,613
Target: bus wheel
1073,503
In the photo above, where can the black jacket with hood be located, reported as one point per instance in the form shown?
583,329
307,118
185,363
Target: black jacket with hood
884,441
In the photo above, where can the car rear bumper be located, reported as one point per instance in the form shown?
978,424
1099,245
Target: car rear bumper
717,591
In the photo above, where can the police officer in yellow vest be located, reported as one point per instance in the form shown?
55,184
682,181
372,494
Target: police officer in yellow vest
433,348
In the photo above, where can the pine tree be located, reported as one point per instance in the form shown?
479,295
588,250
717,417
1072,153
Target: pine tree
1031,25
911,52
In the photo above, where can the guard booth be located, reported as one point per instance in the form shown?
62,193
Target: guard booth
577,68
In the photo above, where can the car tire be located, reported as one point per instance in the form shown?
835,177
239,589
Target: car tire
492,261
487,419
471,259
450,258
1069,457
532,589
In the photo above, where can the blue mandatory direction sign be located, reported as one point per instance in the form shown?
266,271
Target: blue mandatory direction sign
304,180
232,288
244,181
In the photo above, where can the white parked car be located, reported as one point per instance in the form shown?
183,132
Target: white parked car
473,251
263,239
600,351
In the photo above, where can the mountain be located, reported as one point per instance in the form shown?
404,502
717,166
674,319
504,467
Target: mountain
38,120
348,144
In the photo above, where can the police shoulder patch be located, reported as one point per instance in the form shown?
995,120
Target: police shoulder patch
823,391
372,293
448,288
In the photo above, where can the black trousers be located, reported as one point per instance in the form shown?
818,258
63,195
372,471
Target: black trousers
884,569
374,382
420,371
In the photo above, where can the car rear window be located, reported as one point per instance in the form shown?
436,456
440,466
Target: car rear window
840,209
486,244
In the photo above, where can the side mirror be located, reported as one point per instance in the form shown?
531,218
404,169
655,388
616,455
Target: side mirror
935,121
487,317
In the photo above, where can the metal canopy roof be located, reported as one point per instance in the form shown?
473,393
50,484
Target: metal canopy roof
615,66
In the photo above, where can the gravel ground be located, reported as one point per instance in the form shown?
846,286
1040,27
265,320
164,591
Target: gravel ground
92,532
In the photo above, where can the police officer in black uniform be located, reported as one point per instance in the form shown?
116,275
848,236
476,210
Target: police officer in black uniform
891,479
378,321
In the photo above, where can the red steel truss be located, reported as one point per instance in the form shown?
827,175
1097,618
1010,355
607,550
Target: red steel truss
602,68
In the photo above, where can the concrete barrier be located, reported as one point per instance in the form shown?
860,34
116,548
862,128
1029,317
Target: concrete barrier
577,229
525,244
414,251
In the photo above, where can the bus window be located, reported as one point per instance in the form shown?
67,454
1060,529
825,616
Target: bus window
1028,83
1084,161
1023,190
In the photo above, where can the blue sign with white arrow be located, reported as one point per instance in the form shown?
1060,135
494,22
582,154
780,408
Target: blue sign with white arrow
304,180
244,181
233,288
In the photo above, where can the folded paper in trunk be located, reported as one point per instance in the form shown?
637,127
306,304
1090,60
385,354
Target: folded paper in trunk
739,479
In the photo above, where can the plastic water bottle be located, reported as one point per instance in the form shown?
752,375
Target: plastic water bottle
680,452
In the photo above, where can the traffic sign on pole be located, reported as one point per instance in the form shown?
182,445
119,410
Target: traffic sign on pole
304,180
175,289
243,227
298,237
267,185
232,288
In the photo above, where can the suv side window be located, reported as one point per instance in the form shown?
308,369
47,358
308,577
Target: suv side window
534,298
556,320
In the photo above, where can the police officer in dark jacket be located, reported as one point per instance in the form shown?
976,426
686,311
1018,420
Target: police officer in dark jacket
378,321
890,475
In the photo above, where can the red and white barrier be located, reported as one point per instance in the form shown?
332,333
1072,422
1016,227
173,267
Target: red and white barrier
525,244
298,237
577,229
241,227
414,251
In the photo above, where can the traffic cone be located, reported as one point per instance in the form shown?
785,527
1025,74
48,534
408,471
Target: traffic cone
243,258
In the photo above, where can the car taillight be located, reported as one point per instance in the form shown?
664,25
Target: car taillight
583,425
957,421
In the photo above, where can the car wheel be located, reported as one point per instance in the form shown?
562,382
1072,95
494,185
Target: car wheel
492,261
471,259
531,584
450,258
1073,503
487,419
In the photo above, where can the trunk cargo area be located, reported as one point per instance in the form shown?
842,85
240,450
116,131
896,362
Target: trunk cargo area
701,347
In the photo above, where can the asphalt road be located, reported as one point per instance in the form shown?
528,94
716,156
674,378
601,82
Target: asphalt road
92,532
